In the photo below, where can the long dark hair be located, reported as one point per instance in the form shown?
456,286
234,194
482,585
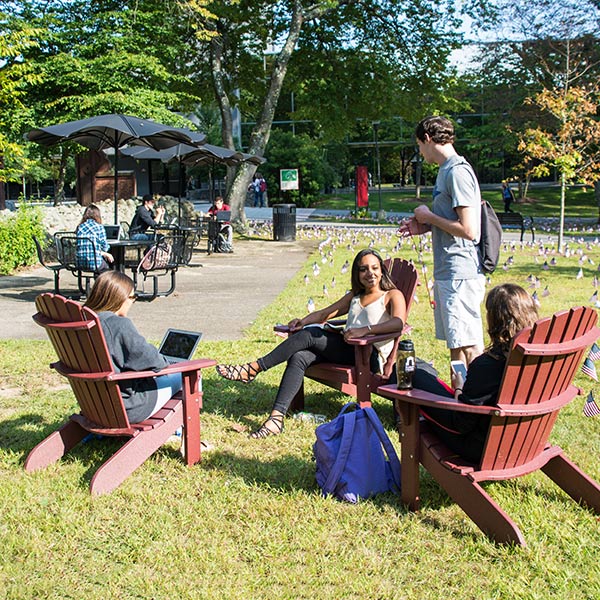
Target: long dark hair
509,310
386,280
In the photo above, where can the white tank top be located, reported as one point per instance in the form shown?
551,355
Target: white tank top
374,313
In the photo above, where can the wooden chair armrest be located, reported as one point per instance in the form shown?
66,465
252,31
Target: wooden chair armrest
371,339
182,367
423,398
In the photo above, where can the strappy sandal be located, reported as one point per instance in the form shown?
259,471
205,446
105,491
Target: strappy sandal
244,373
263,431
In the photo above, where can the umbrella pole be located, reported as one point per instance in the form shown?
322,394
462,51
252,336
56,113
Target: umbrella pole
181,182
116,188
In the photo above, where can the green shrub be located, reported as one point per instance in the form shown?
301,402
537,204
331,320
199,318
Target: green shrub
16,238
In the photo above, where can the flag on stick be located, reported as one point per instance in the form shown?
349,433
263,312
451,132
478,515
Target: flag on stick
589,368
590,408
594,354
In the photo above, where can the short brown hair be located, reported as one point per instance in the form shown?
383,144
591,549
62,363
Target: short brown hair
439,129
109,292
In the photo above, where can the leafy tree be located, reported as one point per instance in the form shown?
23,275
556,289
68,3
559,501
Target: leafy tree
329,45
571,147
287,150
13,73
528,47
103,57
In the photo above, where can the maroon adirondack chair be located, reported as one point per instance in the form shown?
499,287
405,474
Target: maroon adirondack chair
77,337
359,381
537,383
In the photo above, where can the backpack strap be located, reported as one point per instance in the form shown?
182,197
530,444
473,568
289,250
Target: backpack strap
343,452
386,443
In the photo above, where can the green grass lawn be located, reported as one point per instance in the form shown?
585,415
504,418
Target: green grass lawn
540,201
249,521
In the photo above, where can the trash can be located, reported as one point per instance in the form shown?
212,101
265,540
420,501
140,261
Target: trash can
284,222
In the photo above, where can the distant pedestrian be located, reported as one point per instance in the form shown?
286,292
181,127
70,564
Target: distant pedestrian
507,196
259,185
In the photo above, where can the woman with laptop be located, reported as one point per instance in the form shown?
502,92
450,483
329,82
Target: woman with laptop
111,298
373,305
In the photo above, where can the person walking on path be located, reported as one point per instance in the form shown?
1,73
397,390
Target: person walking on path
507,196
454,220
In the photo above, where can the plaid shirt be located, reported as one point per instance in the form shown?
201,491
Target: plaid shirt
89,250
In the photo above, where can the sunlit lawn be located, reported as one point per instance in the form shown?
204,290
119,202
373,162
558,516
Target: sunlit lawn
541,201
249,521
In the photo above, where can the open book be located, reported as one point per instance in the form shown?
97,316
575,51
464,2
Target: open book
328,326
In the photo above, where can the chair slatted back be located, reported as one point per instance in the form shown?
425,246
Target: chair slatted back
77,338
539,372
405,278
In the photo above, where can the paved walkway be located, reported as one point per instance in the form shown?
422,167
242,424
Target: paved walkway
220,294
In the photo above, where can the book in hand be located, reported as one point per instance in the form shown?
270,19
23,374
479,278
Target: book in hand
339,327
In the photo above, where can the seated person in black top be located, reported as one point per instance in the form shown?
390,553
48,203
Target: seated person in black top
509,310
145,217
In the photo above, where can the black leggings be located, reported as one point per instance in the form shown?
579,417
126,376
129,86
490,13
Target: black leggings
301,350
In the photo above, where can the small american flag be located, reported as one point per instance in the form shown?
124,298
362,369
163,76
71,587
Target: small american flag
594,354
589,368
590,408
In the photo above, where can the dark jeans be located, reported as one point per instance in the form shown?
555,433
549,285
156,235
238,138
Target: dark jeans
301,350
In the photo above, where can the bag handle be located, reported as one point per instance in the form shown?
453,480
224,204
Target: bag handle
343,452
386,442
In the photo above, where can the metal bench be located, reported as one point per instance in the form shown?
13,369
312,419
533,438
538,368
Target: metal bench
515,220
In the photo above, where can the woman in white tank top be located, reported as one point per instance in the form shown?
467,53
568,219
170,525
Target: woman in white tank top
374,306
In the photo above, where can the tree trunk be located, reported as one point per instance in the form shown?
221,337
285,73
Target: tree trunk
59,190
260,134
2,186
561,225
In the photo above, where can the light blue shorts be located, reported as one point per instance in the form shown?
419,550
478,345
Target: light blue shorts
457,311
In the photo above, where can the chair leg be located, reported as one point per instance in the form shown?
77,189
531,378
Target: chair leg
132,455
57,281
569,477
55,446
474,500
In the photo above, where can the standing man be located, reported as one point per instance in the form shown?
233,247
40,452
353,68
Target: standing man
454,220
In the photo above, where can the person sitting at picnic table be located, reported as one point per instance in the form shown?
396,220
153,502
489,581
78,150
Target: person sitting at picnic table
145,218
509,310
373,306
111,298
225,229
92,252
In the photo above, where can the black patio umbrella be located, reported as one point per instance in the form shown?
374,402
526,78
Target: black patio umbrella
195,155
211,155
114,131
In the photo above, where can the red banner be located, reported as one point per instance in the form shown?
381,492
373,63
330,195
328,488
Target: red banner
362,187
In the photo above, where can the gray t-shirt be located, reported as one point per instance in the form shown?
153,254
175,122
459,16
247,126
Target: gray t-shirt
456,185
129,351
